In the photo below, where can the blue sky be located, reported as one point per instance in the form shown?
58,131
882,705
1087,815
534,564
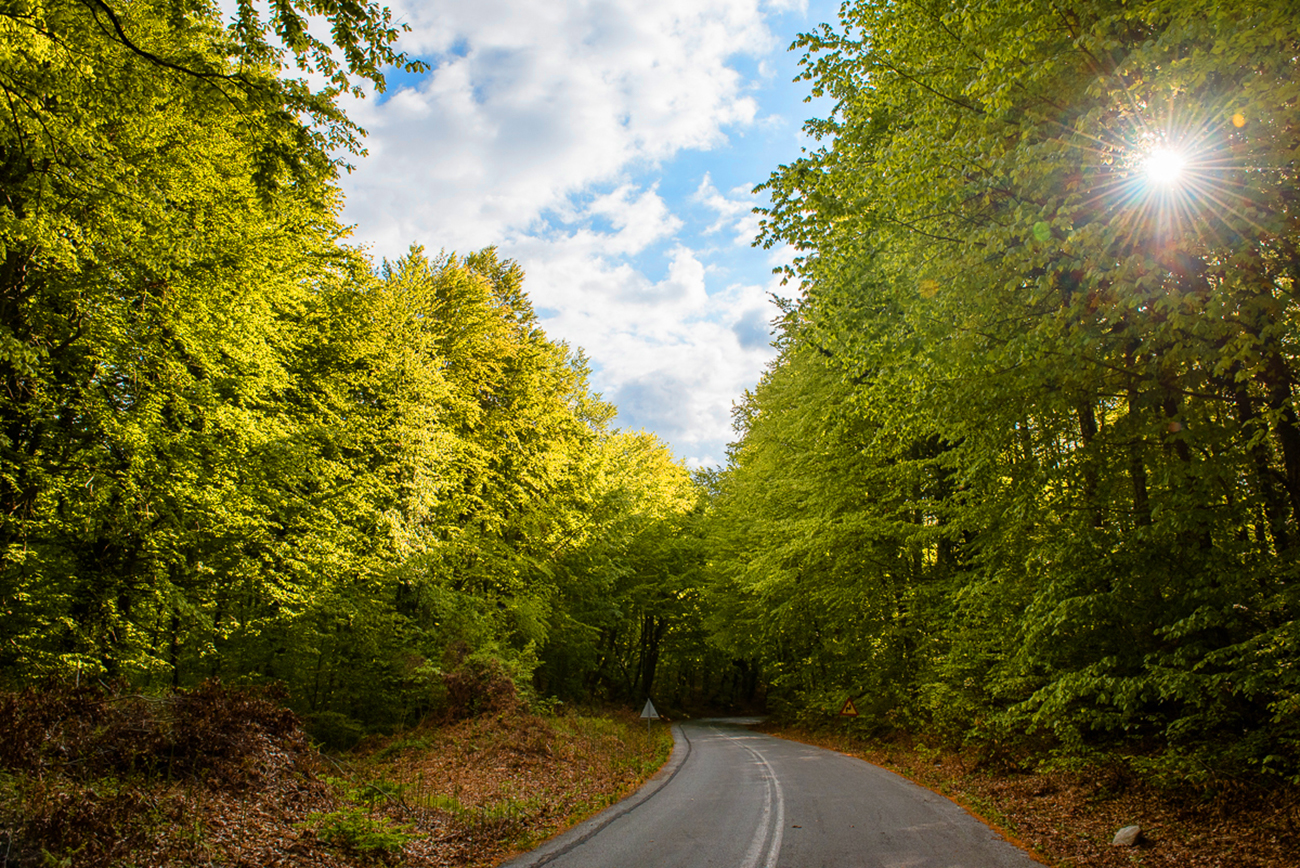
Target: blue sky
610,147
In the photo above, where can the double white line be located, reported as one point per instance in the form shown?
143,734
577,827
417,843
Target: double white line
771,824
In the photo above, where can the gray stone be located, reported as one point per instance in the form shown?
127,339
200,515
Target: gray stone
1127,836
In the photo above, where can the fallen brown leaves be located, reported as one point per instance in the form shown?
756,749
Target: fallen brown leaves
97,778
1068,818
482,789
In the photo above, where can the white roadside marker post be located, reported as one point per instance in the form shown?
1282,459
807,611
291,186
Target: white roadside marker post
648,714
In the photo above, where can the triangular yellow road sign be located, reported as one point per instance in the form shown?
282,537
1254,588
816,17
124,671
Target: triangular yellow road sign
847,710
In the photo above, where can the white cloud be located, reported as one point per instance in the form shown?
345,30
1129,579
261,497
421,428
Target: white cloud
735,212
531,103
541,130
671,355
639,218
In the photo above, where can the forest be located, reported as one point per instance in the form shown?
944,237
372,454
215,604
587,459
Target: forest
235,447
1026,470
1028,466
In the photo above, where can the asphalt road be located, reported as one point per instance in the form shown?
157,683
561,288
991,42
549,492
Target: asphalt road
732,798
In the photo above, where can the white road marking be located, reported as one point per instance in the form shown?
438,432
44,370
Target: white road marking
771,824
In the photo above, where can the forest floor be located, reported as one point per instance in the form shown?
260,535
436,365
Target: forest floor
481,790
91,778
94,778
1069,818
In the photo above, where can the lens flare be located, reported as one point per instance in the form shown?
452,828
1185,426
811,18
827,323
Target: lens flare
1157,176
1164,166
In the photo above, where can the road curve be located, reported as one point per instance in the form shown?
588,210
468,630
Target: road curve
732,798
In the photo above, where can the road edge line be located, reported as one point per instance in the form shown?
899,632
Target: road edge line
580,834
998,829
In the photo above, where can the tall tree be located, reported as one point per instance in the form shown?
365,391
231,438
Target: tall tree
1097,362
151,272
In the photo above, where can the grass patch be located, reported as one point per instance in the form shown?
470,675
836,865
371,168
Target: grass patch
495,785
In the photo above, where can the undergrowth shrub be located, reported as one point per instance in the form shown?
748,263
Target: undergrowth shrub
98,776
233,736
479,684
335,730
352,829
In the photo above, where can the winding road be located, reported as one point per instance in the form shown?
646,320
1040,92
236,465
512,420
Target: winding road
732,798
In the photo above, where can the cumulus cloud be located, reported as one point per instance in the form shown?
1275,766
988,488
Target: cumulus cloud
735,212
753,329
671,355
542,128
531,103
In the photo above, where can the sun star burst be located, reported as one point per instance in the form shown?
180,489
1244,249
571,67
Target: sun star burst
1164,166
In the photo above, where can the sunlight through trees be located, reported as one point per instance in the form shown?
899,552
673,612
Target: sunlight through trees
1027,467
1029,461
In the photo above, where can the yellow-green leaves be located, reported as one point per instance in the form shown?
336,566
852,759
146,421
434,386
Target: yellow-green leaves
1097,351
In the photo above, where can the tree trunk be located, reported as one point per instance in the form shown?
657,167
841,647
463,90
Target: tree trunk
1137,468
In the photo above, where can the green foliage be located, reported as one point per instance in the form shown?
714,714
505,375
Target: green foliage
230,445
354,830
628,585
400,745
508,811
334,730
1029,460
